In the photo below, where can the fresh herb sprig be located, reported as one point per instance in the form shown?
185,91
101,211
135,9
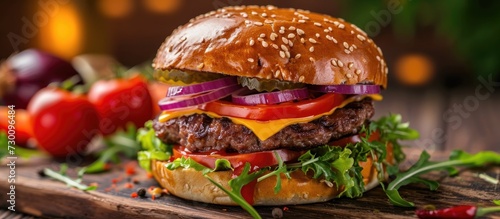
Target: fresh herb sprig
123,142
423,165
61,176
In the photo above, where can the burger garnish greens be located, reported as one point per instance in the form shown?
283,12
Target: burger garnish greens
270,106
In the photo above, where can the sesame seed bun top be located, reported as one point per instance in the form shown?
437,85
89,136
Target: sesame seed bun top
273,43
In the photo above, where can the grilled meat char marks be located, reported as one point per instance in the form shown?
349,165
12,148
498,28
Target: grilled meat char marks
199,132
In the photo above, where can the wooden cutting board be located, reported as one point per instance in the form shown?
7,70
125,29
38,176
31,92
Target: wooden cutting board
43,197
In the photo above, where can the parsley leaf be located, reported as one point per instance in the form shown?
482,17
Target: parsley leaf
152,147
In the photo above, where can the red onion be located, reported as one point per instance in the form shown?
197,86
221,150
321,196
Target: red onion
271,97
23,74
348,89
176,102
201,87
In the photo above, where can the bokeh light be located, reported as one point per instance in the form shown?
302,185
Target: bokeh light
115,8
414,69
162,6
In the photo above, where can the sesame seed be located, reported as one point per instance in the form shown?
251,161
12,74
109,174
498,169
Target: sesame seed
284,48
336,23
300,32
250,60
301,78
258,23
273,15
386,70
379,50
351,48
311,59
262,35
357,71
275,46
346,45
341,26
290,43
292,28
251,42
354,46
334,40
378,58
264,15
328,37
352,32
282,31
349,75
247,22
260,39
347,51
287,54
317,24
350,65
282,54
302,21
277,73
285,40
265,44
298,56
200,66
326,30
312,40
330,28
317,35
267,21
282,28
254,13
243,14
334,62
302,40
273,36
340,63
311,49
290,36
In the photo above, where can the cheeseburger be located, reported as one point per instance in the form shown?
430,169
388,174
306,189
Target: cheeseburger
269,106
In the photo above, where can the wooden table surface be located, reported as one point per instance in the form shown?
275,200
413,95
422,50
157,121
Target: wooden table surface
433,112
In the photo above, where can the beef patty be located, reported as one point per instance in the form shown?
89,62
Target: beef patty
199,132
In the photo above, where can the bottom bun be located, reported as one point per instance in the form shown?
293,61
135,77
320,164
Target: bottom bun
300,189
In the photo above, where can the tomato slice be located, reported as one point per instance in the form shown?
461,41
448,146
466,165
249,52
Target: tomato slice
257,159
298,109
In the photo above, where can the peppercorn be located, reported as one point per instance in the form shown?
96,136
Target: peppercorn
277,213
41,173
141,192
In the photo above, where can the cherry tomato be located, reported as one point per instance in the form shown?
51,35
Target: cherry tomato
257,159
22,125
121,101
158,91
298,109
63,123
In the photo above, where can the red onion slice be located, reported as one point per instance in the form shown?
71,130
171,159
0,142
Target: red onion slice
348,89
270,97
201,87
170,103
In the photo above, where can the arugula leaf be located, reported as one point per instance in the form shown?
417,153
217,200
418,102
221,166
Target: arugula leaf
61,176
281,169
236,184
423,165
19,151
121,142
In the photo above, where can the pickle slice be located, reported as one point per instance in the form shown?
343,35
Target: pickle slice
178,77
267,84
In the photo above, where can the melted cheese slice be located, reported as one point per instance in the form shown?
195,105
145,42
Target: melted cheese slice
265,129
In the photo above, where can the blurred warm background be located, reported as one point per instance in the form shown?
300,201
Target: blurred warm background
438,51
